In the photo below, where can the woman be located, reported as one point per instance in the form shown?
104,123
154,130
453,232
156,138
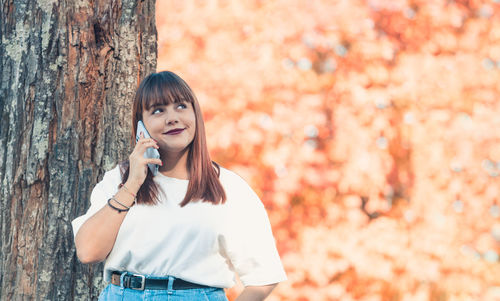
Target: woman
182,233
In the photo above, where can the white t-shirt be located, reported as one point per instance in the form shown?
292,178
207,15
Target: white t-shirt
200,242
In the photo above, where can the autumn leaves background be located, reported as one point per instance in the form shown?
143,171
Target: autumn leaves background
369,128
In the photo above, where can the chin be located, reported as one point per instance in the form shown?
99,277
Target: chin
173,149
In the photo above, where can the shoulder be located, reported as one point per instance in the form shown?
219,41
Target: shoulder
230,180
107,186
238,191
112,176
229,176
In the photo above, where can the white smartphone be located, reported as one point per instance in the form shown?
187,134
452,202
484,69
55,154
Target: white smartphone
151,152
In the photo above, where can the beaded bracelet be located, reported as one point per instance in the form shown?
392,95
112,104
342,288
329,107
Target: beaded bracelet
116,208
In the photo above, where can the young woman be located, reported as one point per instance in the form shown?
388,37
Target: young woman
180,234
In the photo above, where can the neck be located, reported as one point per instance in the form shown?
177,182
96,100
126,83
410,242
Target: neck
175,164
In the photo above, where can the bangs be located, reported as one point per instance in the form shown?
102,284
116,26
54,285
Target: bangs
164,89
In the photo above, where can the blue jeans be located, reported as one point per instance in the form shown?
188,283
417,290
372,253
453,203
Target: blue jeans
118,293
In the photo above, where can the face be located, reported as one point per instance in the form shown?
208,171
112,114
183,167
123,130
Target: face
172,125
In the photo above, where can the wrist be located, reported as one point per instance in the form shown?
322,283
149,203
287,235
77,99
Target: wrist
132,187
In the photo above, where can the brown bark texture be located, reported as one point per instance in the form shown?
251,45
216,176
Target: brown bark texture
69,70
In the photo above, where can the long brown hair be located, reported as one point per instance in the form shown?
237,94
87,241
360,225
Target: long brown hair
164,88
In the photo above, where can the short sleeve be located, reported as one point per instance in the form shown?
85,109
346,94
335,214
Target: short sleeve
249,243
100,194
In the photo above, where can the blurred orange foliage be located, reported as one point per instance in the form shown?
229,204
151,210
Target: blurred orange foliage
368,128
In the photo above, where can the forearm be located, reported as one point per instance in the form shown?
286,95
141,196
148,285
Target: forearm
256,293
96,237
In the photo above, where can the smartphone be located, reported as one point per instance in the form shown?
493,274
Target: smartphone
151,152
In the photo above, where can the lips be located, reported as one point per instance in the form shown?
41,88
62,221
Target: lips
174,131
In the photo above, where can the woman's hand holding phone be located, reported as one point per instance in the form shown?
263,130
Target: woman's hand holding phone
139,164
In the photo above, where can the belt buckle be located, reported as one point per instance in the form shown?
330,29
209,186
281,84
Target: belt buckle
143,282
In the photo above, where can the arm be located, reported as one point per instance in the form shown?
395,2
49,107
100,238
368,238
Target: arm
256,293
96,237
249,244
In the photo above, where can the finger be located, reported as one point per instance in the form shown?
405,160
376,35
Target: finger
144,140
143,144
148,144
154,161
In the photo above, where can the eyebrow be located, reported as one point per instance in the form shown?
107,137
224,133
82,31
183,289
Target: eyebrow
156,105
153,107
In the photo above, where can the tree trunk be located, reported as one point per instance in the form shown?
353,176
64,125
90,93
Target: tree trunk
69,70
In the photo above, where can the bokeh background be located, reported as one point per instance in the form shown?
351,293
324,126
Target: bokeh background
370,129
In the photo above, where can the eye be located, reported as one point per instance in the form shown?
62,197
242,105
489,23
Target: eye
182,106
155,111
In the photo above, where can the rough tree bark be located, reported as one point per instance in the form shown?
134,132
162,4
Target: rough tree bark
68,71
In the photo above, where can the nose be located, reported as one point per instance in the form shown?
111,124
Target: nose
172,117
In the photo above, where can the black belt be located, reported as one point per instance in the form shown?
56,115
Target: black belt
141,282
